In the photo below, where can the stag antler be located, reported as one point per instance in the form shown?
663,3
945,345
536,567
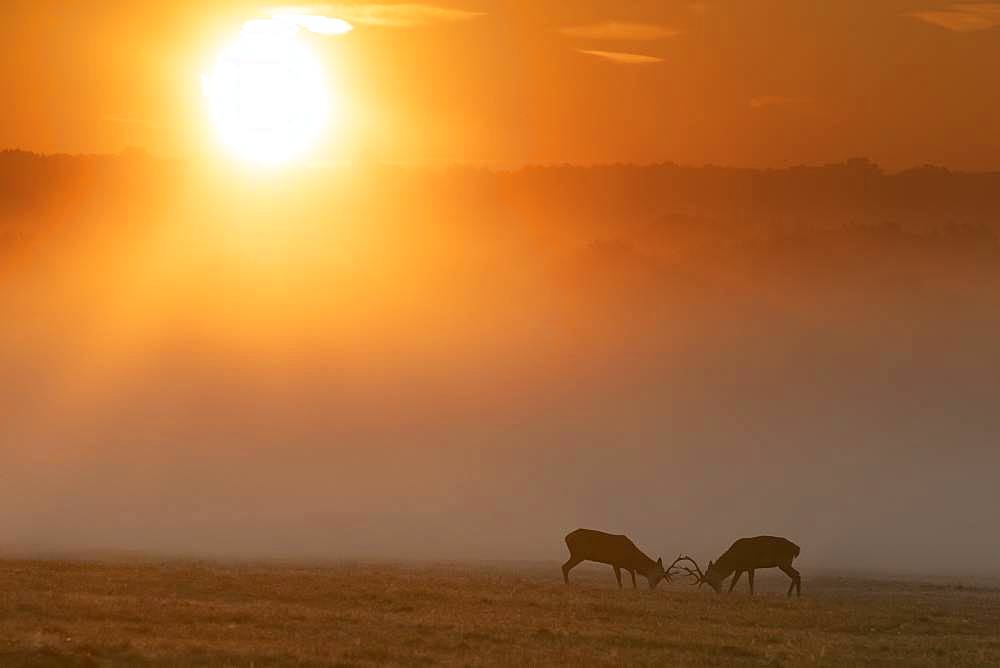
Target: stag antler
698,576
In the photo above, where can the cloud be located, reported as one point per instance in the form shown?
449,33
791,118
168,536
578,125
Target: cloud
407,15
623,58
766,101
963,17
317,23
621,31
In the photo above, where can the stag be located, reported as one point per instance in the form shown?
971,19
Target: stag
745,556
617,551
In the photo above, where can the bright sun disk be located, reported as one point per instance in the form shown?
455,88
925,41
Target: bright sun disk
267,94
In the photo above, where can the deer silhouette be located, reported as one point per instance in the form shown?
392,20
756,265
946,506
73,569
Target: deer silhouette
746,555
615,550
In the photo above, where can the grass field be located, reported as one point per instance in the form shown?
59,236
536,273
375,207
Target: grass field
262,614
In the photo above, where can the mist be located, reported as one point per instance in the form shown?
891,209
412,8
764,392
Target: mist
377,362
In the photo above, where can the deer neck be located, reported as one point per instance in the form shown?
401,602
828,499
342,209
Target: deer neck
724,566
645,564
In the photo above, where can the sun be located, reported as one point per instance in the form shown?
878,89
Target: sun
267,94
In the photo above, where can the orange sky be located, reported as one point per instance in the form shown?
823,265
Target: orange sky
737,82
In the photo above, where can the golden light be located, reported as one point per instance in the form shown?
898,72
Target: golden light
267,93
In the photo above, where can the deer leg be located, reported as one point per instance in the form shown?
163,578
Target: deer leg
634,586
750,574
570,564
796,578
736,578
618,576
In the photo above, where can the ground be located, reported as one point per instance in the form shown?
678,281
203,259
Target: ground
212,613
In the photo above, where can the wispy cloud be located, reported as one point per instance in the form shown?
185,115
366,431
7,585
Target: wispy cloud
623,58
617,30
317,23
406,15
766,101
963,17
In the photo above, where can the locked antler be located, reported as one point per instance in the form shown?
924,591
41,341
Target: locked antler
696,573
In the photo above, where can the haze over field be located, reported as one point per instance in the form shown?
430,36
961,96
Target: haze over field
416,363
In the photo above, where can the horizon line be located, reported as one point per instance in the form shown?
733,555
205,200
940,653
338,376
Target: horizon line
500,166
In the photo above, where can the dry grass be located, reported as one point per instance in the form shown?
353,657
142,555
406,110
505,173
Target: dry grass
187,613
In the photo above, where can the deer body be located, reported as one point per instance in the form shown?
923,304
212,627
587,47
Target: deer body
748,554
615,550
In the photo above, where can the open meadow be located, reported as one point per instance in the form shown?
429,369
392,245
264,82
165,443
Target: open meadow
144,612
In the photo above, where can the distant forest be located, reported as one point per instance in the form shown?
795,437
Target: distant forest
613,210
856,190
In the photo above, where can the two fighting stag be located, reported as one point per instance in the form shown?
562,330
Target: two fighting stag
744,556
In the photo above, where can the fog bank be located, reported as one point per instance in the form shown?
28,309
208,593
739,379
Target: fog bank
387,363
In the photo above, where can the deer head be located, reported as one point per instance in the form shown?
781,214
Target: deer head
713,577
657,573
